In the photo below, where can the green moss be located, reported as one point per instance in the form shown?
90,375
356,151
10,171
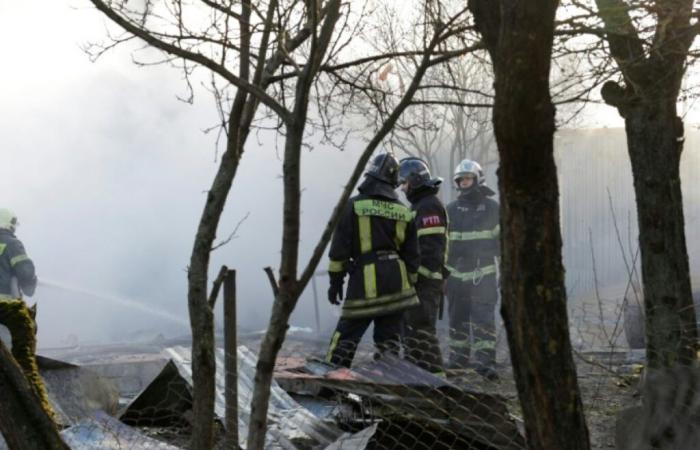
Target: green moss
15,315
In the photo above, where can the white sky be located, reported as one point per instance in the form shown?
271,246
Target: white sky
107,172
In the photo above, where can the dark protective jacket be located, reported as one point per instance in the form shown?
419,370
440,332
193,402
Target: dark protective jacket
376,244
473,234
431,226
14,262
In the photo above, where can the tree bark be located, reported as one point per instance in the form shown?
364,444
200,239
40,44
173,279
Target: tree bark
248,97
201,314
654,139
647,101
23,422
287,294
519,38
290,288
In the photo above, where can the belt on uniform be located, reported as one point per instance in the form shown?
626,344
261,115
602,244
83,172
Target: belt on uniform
375,256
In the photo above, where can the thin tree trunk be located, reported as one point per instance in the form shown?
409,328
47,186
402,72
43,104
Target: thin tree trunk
289,287
201,314
647,98
533,291
654,141
269,348
23,422
286,298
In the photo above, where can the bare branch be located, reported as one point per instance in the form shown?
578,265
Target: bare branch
212,65
233,233
273,282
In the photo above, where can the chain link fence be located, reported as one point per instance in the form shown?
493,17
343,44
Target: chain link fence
140,396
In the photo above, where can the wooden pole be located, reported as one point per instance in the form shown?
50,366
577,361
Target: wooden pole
316,314
231,361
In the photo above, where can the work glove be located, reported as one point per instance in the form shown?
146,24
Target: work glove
335,291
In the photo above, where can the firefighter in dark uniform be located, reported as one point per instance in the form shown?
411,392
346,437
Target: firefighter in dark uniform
472,291
376,244
18,278
420,336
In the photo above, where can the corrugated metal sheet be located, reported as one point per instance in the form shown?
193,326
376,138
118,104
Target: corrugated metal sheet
594,171
356,441
76,393
394,390
591,162
290,426
103,432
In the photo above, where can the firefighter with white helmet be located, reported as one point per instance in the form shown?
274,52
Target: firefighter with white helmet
473,235
17,279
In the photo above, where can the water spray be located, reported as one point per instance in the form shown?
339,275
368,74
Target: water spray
117,301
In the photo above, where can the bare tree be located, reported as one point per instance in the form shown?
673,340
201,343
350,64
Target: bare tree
258,39
281,49
641,50
650,42
519,38
440,28
451,120
24,423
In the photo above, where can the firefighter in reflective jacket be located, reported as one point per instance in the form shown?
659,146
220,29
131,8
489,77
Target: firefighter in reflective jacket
420,336
18,278
473,234
376,244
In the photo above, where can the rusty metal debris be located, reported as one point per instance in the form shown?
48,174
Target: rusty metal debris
398,397
380,404
104,432
169,397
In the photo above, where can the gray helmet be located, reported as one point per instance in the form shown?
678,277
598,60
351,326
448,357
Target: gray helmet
469,167
384,167
415,172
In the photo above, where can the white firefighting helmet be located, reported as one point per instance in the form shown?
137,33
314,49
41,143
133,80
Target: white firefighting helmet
469,167
8,220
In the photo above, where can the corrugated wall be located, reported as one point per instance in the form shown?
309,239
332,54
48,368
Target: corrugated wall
592,163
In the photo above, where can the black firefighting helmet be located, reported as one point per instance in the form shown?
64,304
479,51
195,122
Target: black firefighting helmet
384,167
415,172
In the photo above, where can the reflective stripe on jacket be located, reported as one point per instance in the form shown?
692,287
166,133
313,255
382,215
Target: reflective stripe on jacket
14,262
376,243
431,226
473,236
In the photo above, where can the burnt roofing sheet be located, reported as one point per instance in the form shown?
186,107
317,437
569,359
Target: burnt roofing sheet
290,425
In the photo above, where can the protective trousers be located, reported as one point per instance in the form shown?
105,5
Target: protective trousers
349,332
19,319
420,336
472,321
